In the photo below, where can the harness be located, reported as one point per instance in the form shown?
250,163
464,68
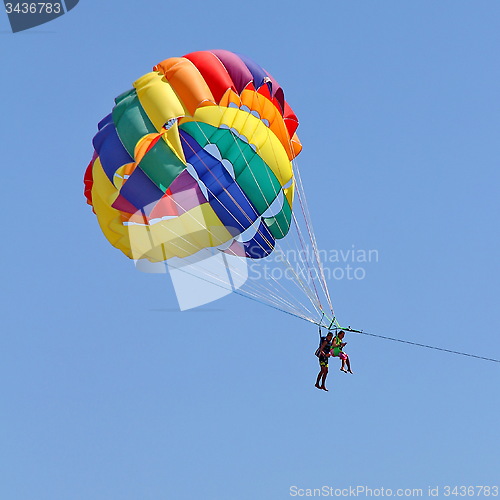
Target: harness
319,352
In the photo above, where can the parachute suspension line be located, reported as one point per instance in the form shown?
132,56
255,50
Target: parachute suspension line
307,218
242,211
333,322
319,327
299,282
316,302
257,298
278,303
265,292
267,170
303,203
309,267
296,314
305,262
303,256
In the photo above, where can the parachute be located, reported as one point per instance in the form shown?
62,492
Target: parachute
194,171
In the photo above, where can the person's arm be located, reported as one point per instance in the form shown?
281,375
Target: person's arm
338,343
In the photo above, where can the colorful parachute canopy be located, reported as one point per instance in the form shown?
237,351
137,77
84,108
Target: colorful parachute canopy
197,155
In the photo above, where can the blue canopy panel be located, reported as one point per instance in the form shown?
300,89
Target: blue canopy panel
258,74
141,191
261,245
225,196
234,209
109,148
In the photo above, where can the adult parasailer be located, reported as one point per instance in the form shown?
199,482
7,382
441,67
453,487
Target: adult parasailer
323,353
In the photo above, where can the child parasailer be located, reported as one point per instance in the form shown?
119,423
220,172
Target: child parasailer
337,351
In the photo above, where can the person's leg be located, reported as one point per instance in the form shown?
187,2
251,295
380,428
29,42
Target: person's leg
343,358
323,379
318,378
348,364
321,371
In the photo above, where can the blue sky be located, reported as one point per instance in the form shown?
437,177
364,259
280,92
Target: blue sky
108,392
